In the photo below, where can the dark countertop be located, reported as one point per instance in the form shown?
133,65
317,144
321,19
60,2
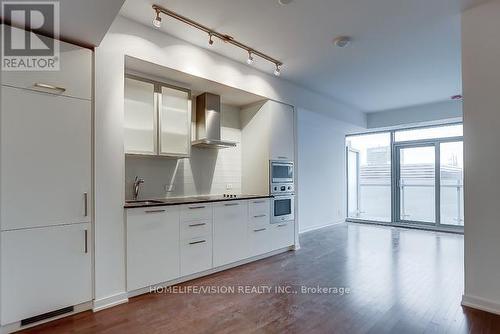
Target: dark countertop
189,200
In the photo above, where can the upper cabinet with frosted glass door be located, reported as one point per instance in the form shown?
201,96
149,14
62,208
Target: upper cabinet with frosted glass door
157,119
140,117
174,122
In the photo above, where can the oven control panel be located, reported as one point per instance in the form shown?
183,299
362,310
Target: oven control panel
282,188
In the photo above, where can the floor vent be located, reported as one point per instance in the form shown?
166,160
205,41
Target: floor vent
47,315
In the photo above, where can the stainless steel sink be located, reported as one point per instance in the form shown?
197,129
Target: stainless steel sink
144,202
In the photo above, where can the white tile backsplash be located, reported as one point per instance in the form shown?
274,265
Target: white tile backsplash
206,172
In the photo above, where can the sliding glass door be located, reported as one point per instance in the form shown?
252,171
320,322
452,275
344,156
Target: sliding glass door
416,184
429,183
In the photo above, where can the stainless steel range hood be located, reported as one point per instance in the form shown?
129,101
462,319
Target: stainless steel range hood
208,119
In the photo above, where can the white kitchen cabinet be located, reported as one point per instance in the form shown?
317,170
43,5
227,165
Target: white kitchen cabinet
152,246
44,269
281,138
196,255
73,79
157,118
45,159
260,239
196,238
175,122
140,117
230,232
267,134
259,211
260,236
283,234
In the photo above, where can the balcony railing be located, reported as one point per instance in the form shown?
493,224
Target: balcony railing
417,201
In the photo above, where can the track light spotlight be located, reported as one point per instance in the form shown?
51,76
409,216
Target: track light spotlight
210,40
157,20
250,60
277,71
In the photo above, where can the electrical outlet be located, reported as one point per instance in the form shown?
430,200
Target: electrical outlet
229,186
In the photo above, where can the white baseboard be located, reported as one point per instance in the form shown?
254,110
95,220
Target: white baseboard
110,301
481,304
313,228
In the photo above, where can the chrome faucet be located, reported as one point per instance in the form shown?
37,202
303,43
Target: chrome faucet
137,182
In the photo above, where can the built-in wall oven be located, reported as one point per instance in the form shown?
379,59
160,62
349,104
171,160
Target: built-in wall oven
282,208
281,177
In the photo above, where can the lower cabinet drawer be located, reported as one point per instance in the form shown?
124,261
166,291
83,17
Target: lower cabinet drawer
283,235
260,220
196,211
195,229
260,239
196,255
259,206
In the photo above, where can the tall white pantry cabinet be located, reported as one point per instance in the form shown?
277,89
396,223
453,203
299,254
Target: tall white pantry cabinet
46,188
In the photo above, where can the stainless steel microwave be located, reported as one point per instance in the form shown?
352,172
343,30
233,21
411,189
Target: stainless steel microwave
281,171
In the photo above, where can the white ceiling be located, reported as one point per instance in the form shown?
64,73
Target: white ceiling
404,52
85,22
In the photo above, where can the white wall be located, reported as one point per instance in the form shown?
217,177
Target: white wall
481,84
426,114
128,38
321,169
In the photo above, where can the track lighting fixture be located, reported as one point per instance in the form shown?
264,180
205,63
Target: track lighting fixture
212,33
277,71
250,58
157,19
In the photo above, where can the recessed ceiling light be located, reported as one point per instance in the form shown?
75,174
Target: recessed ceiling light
342,41
284,2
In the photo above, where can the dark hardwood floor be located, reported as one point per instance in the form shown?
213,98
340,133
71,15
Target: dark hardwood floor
400,281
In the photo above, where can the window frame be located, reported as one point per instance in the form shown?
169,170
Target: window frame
394,198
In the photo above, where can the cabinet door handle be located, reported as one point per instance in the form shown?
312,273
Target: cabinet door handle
282,157
47,86
197,242
86,247
196,207
281,225
260,229
231,204
154,211
257,202
86,204
259,216
199,224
